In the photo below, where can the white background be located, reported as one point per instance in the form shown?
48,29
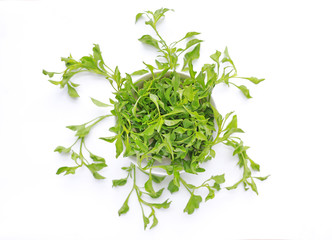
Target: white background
287,122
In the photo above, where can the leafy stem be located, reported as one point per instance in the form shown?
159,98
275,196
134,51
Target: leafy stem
139,193
81,132
195,200
186,185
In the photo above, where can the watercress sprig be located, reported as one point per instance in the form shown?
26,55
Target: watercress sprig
149,190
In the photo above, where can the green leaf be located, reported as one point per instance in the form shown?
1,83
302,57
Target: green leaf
134,109
200,169
159,124
262,178
210,194
54,82
75,127
70,62
156,194
124,208
254,166
191,34
215,57
227,58
119,182
146,221
74,156
97,158
82,132
155,221
147,39
172,122
148,186
230,132
254,79
138,16
150,67
187,123
189,93
160,13
253,186
61,170
191,71
235,185
201,136
232,123
216,186
149,130
142,147
190,56
75,84
150,22
193,203
139,72
157,179
175,110
96,175
176,176
68,75
219,178
167,140
244,90
164,205
98,59
117,76
172,187
67,170
95,167
154,98
180,130
192,43
176,81
240,149
109,139
212,153
99,104
50,74
195,115
61,149
128,150
118,146
161,65
72,92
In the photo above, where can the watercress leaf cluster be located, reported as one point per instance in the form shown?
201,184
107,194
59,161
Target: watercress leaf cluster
166,120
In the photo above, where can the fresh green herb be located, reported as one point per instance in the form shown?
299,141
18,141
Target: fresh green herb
165,116
149,191
98,163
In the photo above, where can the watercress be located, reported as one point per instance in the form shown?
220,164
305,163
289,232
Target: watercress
166,116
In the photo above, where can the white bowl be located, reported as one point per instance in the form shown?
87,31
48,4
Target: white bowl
165,161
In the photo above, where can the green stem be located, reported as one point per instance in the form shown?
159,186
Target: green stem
86,147
186,186
139,199
109,68
97,118
81,154
100,119
74,143
168,54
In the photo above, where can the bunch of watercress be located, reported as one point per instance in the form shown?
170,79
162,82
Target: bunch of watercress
165,121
